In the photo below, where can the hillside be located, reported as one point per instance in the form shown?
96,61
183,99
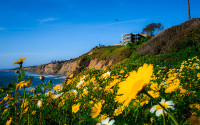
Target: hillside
173,39
98,58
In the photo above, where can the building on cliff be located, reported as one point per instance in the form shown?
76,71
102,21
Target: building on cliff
131,37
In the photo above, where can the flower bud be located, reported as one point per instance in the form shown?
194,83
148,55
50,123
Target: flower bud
20,65
17,71
41,78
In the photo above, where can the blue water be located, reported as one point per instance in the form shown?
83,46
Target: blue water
7,76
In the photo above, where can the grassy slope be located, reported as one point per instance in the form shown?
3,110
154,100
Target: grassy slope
115,53
174,38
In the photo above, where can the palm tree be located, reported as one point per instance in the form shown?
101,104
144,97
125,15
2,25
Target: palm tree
188,4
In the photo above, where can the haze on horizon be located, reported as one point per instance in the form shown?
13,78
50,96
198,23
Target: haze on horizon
46,30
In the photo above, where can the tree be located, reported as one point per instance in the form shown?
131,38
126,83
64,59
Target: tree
188,5
153,28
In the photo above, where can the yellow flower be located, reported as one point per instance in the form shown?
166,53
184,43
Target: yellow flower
91,102
197,106
9,121
198,75
75,108
32,89
23,84
6,98
112,83
129,88
61,103
183,91
25,103
93,80
4,111
118,111
96,110
20,61
70,76
154,94
122,71
25,110
155,87
58,87
33,112
151,119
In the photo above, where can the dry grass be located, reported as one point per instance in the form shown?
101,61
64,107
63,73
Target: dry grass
173,39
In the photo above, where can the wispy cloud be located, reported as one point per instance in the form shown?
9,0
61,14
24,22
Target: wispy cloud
47,20
1,28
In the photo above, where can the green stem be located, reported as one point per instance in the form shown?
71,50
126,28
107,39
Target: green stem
22,73
40,118
28,117
44,86
163,119
16,101
170,115
21,114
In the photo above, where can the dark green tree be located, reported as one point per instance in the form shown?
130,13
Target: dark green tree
153,29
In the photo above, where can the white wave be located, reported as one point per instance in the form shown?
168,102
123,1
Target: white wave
63,77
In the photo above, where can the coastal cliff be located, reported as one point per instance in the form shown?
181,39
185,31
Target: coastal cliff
97,58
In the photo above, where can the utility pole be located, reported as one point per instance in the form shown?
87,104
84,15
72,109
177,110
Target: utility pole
188,4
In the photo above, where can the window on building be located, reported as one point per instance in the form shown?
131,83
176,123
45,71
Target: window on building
127,35
128,39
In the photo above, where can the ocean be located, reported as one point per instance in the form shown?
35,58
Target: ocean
6,77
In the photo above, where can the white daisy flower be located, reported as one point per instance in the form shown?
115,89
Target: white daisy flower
106,75
159,110
106,122
73,92
39,104
82,81
57,96
85,89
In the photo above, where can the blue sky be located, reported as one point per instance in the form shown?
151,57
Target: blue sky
45,30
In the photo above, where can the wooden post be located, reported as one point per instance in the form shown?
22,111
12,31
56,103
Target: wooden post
188,4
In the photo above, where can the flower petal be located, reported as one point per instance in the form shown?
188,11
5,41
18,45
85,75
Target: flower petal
162,100
171,107
111,122
159,112
170,102
153,109
105,121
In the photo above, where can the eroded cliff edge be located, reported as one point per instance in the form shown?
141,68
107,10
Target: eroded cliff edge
97,58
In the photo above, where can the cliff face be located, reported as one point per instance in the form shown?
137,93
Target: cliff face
97,58
68,67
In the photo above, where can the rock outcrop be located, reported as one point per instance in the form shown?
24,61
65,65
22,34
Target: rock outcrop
68,67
